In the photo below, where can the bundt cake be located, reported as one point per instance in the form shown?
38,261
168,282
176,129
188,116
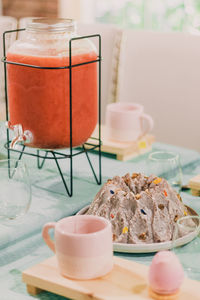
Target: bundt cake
141,209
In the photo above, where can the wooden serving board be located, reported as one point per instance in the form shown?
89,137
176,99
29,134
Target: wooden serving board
127,281
123,150
195,192
194,184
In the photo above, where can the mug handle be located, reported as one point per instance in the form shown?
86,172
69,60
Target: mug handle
46,237
149,121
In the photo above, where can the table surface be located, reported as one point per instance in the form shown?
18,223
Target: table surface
21,244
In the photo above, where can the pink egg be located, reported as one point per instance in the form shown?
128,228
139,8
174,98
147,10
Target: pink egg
165,273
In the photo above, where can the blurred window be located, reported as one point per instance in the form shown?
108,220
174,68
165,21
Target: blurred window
162,15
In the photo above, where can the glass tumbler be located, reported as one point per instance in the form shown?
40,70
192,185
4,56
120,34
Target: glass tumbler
167,165
189,254
15,197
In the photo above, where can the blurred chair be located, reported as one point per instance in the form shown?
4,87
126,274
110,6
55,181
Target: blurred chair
6,23
111,39
162,72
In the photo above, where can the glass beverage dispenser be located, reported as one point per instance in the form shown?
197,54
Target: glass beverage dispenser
39,98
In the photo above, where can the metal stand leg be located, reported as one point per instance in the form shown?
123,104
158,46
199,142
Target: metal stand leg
69,190
98,180
40,165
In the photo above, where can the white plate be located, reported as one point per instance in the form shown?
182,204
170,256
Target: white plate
148,248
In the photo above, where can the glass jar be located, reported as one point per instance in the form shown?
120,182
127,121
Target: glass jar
39,98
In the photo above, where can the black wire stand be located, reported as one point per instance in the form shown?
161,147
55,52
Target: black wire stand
43,154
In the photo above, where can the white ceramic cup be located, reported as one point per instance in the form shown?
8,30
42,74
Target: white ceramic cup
83,246
126,122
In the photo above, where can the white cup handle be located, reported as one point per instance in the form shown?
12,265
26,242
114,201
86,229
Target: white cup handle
149,122
46,237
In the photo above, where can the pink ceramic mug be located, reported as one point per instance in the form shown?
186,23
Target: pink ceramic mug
83,246
126,122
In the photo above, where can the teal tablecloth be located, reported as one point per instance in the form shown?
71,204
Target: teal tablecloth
21,245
